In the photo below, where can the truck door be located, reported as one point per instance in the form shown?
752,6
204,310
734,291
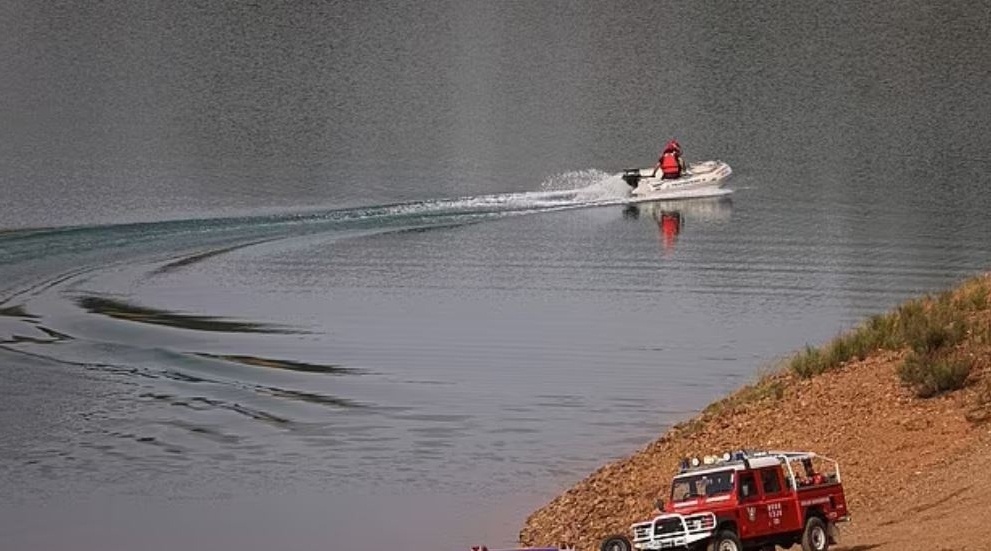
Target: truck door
779,508
749,498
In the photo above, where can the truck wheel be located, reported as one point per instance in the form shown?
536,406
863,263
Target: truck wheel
616,543
814,538
725,540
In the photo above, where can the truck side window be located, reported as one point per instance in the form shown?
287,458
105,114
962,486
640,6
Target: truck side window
770,480
748,487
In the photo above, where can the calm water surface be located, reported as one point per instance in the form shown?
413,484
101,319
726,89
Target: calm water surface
356,276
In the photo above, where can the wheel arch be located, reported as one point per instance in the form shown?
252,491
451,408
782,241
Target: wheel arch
814,511
727,524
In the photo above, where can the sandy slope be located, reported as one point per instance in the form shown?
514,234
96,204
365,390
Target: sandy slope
917,472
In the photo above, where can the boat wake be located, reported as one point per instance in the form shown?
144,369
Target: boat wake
25,252
569,190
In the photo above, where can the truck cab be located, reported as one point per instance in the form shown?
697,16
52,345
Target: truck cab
746,500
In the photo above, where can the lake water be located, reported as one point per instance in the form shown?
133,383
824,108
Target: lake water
351,275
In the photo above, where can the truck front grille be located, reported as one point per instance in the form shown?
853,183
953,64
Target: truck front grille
668,526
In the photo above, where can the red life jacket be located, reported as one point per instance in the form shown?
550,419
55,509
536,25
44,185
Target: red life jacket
669,165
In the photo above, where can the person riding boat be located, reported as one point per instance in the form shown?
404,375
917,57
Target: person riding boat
670,163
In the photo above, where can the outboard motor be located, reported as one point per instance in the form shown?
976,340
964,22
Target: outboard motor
632,176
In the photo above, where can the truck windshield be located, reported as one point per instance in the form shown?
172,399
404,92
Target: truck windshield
702,485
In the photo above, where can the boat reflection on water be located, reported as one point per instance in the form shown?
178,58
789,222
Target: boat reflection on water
670,226
671,216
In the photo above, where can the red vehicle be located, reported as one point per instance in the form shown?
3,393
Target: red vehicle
746,501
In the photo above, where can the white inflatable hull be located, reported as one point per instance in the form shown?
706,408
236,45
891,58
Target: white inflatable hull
699,177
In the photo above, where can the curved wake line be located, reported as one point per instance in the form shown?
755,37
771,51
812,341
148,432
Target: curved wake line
73,246
589,188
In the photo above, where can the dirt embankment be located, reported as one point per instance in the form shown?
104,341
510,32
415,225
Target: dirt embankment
917,471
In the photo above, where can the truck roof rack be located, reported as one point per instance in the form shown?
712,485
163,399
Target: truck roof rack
742,457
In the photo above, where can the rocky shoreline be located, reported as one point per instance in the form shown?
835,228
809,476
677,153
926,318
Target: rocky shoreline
914,468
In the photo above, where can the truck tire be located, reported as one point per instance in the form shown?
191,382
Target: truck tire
616,543
725,540
815,537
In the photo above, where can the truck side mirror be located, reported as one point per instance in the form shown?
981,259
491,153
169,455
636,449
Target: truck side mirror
659,504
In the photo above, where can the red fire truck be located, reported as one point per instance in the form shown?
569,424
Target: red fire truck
746,500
